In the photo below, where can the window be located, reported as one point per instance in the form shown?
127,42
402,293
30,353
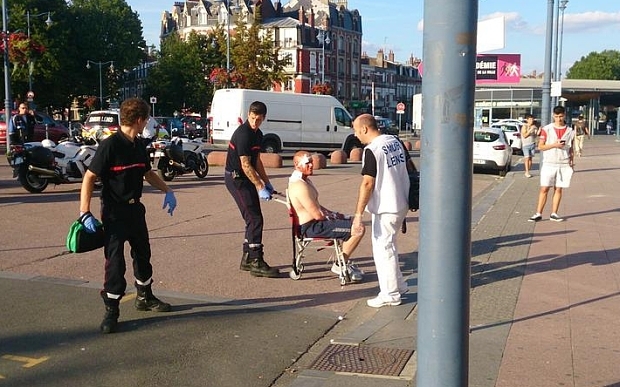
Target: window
342,117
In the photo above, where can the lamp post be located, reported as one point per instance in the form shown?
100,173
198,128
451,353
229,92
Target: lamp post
111,63
49,22
229,10
545,115
323,37
559,68
7,74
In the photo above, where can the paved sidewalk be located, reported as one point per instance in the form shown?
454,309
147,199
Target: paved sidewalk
545,298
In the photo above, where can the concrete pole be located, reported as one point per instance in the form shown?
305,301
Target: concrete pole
556,34
445,215
545,115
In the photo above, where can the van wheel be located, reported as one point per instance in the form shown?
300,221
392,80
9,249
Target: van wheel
350,145
270,146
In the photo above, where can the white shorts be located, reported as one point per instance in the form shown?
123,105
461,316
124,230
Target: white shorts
555,175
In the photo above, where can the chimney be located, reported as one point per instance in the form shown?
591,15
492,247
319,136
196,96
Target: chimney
391,56
312,18
301,15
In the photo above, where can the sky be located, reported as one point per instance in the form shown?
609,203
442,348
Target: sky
396,25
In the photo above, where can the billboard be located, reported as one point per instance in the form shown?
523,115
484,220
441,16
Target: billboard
498,68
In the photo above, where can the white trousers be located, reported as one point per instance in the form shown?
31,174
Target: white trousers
385,227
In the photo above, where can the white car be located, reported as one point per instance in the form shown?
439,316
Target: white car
491,150
512,130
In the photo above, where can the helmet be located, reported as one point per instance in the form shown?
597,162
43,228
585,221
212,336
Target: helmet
47,143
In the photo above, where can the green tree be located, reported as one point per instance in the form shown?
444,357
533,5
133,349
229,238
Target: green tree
180,79
597,65
257,59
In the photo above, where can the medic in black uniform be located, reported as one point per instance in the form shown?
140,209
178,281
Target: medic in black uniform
247,181
122,164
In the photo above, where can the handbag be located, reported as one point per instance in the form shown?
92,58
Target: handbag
80,241
414,190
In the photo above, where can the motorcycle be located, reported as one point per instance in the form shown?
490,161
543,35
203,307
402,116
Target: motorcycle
36,164
178,156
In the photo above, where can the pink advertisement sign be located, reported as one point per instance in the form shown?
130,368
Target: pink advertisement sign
498,68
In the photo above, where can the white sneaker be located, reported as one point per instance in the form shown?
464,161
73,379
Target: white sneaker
378,302
355,273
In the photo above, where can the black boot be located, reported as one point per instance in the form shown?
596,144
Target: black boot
245,266
258,266
110,319
145,300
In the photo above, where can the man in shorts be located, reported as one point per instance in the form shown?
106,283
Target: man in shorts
318,221
529,131
555,143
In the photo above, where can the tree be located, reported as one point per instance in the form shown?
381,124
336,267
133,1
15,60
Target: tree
604,65
256,59
181,78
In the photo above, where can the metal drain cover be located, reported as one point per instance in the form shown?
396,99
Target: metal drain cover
362,360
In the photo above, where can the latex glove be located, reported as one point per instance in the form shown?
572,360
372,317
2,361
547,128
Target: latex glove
264,194
170,201
90,223
270,188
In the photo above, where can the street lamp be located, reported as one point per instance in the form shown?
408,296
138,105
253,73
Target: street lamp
7,74
323,37
111,63
49,22
559,68
545,115
229,10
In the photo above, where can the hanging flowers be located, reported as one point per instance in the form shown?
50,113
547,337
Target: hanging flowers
322,88
222,78
22,50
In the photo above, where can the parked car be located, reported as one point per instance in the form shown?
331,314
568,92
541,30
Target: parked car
385,126
491,150
107,120
45,127
194,127
512,130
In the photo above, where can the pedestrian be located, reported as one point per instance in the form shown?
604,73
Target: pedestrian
555,142
318,221
529,131
384,193
581,131
247,182
609,127
21,125
122,163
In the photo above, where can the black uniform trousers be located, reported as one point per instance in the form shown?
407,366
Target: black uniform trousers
125,223
245,195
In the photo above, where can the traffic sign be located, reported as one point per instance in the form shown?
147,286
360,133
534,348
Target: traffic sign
30,95
153,99
400,108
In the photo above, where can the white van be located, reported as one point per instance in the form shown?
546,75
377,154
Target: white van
293,122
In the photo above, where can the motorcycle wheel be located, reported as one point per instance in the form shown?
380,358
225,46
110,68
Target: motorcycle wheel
167,172
30,181
202,168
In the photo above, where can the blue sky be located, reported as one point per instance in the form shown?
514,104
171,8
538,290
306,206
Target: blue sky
396,25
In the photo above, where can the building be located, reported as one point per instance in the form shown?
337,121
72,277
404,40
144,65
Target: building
323,39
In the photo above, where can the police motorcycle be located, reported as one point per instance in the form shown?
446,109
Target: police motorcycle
178,156
36,164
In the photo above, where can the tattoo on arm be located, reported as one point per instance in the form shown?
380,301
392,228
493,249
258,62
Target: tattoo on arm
249,171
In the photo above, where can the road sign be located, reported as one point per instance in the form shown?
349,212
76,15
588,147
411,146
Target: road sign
153,99
400,108
30,94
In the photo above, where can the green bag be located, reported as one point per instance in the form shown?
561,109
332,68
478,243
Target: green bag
81,241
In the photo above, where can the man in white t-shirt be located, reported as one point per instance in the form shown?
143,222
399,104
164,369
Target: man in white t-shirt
555,142
384,192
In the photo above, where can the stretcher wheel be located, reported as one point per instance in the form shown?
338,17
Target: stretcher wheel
293,275
343,281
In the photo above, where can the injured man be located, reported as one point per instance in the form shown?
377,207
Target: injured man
318,221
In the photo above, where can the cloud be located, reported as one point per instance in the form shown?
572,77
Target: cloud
590,21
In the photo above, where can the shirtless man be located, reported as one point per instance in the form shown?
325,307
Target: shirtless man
318,221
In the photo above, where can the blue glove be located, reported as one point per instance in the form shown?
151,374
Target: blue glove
90,223
270,188
170,201
264,194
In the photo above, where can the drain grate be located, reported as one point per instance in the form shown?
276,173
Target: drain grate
362,360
